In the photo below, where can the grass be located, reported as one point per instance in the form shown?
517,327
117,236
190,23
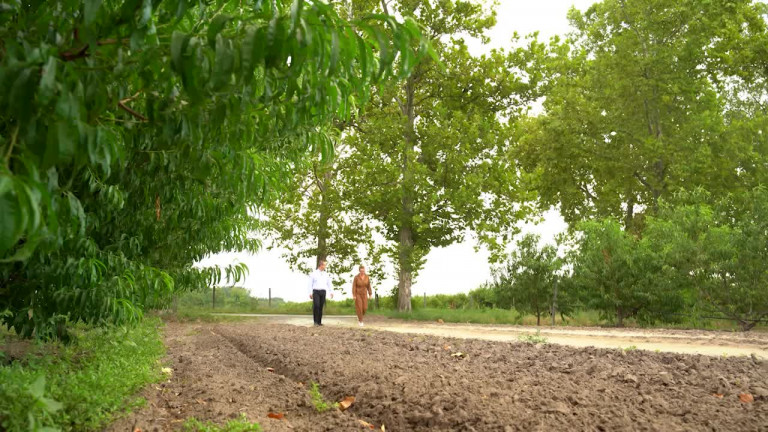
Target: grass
487,316
476,316
240,424
320,404
81,386
580,319
202,315
534,339
288,308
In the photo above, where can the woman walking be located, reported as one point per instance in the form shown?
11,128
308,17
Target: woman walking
361,290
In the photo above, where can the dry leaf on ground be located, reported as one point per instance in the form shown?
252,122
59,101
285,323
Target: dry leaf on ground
746,398
440,321
366,424
276,416
458,354
270,369
717,395
447,347
346,402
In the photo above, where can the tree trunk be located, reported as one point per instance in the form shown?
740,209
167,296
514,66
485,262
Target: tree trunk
619,317
405,272
629,219
554,302
323,217
406,242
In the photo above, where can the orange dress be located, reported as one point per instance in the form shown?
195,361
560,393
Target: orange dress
361,289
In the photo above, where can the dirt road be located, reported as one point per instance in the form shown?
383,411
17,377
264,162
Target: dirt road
415,382
712,343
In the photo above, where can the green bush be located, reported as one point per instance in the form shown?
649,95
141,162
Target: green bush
82,385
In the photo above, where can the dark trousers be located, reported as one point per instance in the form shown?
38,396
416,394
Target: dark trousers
318,301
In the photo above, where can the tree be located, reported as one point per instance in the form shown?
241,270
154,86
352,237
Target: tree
425,153
527,279
636,103
137,137
314,220
621,275
719,247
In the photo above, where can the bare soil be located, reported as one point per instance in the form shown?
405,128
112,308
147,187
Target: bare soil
420,382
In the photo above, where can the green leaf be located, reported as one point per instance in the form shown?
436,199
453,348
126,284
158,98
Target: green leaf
37,388
48,81
76,210
23,253
91,8
65,139
22,94
11,224
296,9
146,14
222,68
6,184
179,43
334,53
362,55
216,26
51,405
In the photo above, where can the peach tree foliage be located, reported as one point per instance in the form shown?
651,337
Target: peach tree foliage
717,248
137,136
621,275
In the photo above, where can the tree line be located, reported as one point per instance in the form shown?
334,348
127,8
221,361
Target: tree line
699,258
648,110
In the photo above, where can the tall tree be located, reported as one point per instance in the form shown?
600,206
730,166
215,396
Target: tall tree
314,222
635,103
424,154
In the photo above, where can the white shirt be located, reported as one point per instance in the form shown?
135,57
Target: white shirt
319,280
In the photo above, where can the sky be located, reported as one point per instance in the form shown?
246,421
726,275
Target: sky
449,270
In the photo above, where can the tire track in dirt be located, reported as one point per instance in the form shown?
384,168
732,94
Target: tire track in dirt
413,382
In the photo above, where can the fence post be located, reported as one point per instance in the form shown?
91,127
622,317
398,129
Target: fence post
377,300
425,300
269,302
213,304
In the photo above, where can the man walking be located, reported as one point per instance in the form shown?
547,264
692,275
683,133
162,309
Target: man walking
319,284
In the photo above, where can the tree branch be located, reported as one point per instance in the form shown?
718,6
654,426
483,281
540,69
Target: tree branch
642,180
589,194
122,105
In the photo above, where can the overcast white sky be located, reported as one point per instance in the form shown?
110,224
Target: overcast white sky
452,269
